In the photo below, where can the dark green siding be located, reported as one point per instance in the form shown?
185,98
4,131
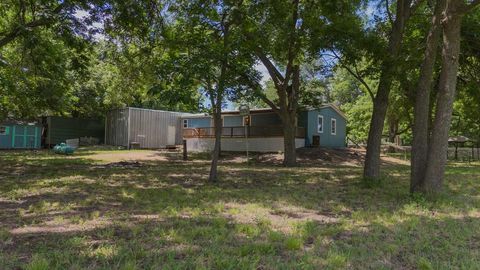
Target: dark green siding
232,120
60,129
265,119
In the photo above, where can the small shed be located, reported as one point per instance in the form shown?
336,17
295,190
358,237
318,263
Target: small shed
143,127
326,126
58,129
460,141
20,135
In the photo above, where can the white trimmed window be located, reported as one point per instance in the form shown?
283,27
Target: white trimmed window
185,123
334,126
3,130
320,124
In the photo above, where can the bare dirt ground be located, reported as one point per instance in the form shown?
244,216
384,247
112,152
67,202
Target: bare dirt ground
316,156
135,155
306,156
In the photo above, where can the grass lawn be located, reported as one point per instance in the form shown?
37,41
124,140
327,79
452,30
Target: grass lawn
88,211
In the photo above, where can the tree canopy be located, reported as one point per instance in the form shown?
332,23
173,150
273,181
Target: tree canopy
382,62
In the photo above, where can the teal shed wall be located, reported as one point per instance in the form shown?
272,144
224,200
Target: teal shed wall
60,129
20,136
198,122
327,139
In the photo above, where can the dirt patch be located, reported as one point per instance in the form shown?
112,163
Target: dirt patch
316,156
64,226
135,155
122,164
281,217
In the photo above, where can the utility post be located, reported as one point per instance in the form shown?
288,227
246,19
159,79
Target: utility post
245,112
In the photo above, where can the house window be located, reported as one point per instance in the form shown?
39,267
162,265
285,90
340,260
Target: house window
320,124
3,130
334,126
185,123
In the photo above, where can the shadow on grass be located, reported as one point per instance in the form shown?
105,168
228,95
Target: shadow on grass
76,212
221,243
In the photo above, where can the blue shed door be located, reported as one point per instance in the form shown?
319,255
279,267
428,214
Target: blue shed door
31,137
18,137
25,137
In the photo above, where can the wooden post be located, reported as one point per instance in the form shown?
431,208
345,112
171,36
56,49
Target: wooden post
478,150
473,152
456,151
185,155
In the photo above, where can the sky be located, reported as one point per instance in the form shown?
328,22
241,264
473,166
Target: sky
82,14
373,8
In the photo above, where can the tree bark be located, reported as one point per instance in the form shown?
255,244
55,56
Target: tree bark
216,99
392,130
287,89
289,131
422,102
380,104
289,119
217,121
438,145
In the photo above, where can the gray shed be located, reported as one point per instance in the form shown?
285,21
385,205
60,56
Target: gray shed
148,128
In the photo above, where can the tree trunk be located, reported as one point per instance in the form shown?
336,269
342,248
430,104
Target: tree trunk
438,145
372,159
289,131
392,130
422,102
216,99
287,87
380,103
217,120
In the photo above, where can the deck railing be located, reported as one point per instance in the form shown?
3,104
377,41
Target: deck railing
239,132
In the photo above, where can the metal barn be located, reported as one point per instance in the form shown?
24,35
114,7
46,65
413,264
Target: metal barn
143,127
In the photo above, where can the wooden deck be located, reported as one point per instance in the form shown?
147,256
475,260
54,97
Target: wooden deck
240,132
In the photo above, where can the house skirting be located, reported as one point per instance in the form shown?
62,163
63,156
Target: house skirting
271,144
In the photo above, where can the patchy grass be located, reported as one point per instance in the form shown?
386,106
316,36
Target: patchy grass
89,211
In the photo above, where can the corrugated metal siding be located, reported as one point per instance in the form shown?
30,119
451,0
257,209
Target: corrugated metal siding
150,128
117,127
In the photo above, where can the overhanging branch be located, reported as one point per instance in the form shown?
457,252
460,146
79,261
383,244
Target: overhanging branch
17,31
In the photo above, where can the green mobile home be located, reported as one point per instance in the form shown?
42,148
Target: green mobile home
324,126
20,135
